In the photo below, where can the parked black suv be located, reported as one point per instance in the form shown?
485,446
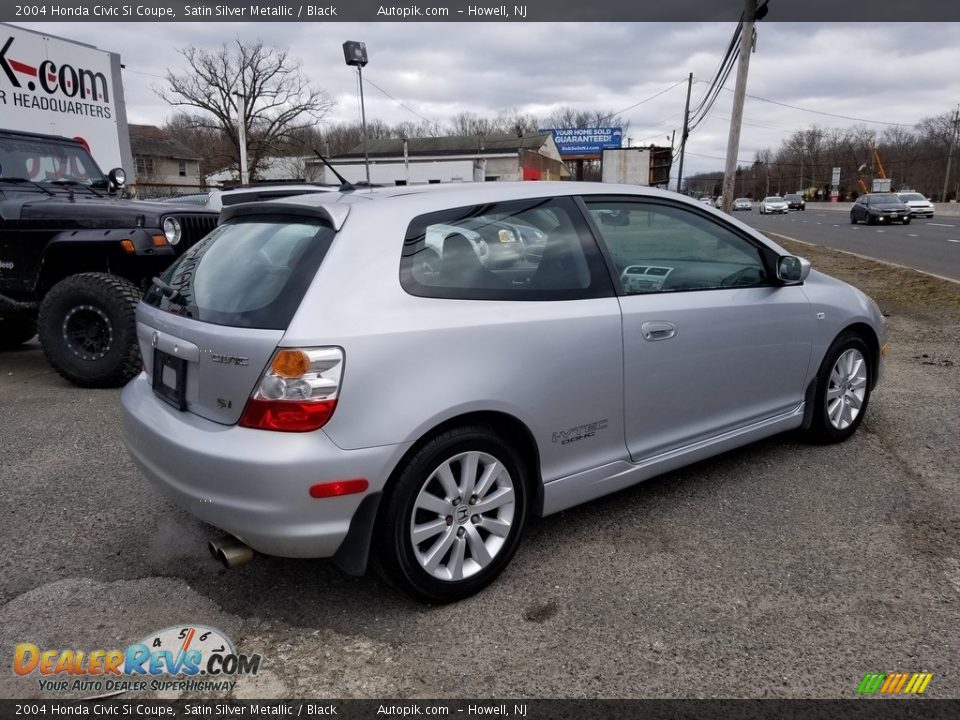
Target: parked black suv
75,259
795,202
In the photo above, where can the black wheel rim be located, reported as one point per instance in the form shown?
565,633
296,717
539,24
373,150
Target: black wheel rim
87,332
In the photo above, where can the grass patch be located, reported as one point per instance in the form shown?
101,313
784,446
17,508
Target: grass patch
896,290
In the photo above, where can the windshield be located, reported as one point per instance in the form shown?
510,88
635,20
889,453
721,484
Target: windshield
43,161
911,196
774,199
885,200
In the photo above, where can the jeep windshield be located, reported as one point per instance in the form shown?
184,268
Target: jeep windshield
50,164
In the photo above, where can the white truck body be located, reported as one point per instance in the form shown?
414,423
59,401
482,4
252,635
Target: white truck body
626,166
56,86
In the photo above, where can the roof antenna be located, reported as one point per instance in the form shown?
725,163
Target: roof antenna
345,186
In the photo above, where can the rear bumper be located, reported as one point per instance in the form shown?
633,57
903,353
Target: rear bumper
253,484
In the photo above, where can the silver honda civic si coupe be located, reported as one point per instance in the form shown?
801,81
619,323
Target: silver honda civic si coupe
403,376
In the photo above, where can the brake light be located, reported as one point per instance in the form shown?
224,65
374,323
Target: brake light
297,392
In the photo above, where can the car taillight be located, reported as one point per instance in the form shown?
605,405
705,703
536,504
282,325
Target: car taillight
297,392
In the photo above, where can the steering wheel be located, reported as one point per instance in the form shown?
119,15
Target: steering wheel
743,277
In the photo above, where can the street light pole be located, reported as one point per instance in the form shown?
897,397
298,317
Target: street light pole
355,53
363,122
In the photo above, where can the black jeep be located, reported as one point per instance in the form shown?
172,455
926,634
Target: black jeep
75,258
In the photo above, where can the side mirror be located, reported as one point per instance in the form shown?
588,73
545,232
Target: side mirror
117,177
792,270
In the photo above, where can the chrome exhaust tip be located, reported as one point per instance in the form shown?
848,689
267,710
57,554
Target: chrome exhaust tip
230,551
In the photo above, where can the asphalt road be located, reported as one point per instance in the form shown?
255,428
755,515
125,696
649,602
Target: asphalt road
929,245
778,570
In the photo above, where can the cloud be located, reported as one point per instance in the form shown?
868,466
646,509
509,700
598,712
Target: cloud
893,72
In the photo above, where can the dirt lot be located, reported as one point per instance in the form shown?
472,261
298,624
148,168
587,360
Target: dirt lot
778,570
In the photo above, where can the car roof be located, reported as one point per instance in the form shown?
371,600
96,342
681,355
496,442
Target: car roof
337,205
470,191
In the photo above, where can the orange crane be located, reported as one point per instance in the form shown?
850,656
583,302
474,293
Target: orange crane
878,166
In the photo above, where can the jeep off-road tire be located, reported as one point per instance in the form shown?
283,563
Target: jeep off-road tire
87,328
15,332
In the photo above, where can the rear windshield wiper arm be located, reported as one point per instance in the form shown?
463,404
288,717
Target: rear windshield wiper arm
169,291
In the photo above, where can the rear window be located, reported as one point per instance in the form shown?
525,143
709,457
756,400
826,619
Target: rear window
251,272
536,249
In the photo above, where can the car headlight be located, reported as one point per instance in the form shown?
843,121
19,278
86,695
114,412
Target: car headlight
172,230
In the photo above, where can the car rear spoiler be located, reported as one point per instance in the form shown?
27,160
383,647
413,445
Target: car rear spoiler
335,214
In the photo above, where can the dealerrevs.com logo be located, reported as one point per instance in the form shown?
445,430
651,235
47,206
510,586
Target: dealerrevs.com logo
185,658
53,85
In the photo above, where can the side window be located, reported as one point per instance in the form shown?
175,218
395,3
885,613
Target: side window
539,249
666,248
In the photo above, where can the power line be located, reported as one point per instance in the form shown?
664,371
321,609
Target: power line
433,124
637,104
823,112
721,70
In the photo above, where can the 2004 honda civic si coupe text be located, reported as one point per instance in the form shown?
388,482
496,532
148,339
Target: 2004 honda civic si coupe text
322,381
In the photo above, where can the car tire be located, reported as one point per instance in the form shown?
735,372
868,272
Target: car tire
15,332
459,551
853,220
87,329
907,221
843,387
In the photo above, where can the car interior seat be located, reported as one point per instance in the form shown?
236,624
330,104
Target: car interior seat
461,266
563,266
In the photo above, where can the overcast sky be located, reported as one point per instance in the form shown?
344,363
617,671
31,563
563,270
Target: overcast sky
889,72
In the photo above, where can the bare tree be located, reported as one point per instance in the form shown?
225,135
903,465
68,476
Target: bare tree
279,101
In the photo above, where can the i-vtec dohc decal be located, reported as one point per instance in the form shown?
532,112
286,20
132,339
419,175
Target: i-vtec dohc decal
565,437
229,359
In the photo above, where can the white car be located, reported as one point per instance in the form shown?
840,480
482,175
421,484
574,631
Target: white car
918,204
773,204
742,204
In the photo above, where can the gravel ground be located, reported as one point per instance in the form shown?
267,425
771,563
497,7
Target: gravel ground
777,570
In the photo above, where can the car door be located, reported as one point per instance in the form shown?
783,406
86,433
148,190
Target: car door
864,208
711,343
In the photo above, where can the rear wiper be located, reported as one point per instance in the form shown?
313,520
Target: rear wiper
5,178
170,292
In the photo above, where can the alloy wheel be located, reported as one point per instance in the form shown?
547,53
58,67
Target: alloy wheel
847,388
462,516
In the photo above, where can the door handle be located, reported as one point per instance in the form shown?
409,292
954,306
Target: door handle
653,331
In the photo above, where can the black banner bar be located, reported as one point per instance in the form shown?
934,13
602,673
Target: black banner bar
860,11
857,709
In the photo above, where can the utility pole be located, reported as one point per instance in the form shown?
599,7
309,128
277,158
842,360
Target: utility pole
953,142
683,135
739,93
242,111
